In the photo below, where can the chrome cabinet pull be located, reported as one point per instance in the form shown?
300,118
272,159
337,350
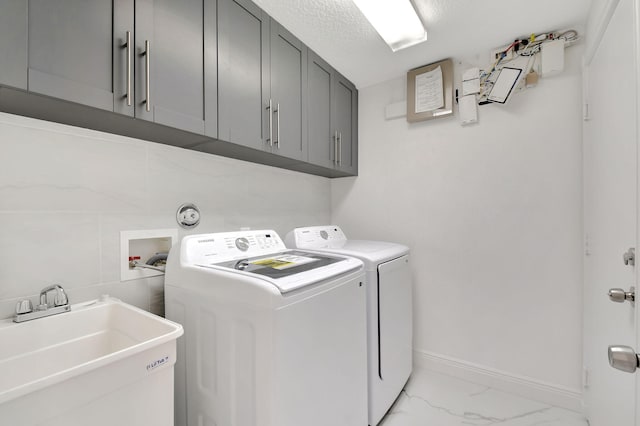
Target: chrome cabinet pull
277,141
269,108
335,147
339,148
128,47
147,61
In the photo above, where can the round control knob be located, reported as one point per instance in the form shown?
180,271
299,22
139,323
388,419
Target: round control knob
242,244
324,235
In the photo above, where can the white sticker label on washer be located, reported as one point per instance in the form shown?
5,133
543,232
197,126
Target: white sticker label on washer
284,261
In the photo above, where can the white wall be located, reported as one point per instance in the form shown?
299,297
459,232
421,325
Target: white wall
66,193
599,15
492,214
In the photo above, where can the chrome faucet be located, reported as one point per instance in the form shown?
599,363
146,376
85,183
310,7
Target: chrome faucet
24,308
60,299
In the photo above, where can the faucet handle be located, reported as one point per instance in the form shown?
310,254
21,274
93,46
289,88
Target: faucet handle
24,307
61,298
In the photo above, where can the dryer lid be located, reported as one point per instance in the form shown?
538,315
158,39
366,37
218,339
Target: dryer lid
330,238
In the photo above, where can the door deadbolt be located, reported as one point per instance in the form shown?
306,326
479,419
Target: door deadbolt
618,295
623,358
629,257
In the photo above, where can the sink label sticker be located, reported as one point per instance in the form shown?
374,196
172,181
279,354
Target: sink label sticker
157,363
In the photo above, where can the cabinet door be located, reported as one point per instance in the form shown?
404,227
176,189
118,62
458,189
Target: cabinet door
345,112
288,92
322,142
173,33
71,43
243,74
13,43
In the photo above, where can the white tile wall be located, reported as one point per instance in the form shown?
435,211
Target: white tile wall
493,216
66,193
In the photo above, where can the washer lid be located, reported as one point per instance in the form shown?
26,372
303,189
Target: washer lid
291,269
262,255
282,264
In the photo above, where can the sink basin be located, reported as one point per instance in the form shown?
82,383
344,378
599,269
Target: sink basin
102,363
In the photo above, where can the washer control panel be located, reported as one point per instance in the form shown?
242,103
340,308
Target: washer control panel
208,249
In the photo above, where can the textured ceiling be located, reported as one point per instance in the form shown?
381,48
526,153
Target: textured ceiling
337,31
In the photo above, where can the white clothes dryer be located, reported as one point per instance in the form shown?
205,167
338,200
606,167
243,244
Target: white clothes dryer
273,337
389,308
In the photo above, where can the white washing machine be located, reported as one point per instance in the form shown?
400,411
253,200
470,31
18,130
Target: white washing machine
389,308
272,337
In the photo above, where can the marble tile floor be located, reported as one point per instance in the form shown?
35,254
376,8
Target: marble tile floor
433,399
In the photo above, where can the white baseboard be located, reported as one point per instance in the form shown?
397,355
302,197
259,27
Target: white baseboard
526,387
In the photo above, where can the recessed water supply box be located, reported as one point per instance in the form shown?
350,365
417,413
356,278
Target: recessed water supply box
140,246
104,363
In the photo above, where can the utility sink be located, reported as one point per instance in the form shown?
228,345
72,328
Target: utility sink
102,363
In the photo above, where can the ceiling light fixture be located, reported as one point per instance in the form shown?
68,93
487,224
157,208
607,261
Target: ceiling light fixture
395,20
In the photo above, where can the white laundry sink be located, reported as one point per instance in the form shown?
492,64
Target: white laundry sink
102,363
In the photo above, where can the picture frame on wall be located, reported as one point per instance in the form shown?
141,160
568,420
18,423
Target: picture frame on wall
430,91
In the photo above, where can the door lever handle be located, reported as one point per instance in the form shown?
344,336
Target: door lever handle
623,358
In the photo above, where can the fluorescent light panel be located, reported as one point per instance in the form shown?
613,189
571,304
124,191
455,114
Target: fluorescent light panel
395,20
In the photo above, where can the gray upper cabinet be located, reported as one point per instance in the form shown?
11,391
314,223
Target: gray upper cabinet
345,117
13,43
169,64
71,43
288,93
333,115
262,80
243,74
322,137
220,76
92,52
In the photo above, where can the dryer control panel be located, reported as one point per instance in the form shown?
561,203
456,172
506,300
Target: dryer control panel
207,249
318,237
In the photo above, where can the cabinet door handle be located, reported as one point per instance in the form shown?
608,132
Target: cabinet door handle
335,147
128,46
269,108
277,141
147,62
339,148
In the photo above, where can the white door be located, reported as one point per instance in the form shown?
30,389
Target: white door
610,197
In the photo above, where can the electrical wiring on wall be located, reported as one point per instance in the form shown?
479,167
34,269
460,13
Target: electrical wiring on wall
515,53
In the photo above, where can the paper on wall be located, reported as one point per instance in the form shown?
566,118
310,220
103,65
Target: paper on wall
429,91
